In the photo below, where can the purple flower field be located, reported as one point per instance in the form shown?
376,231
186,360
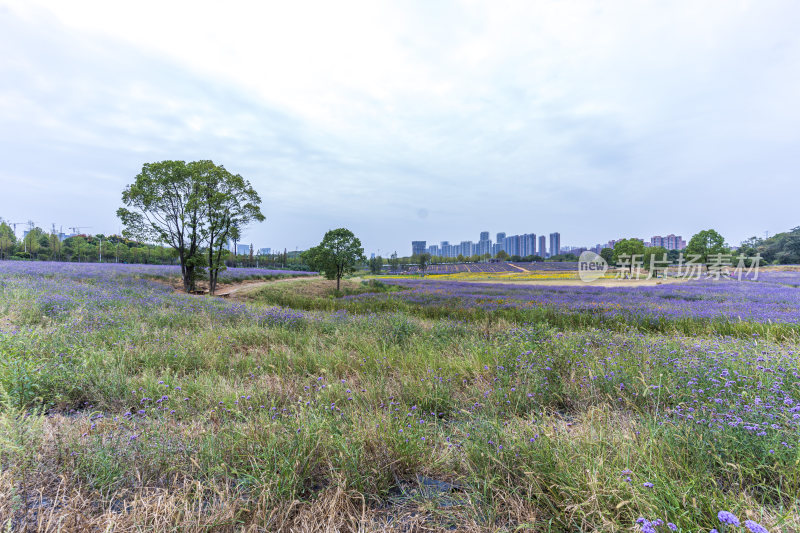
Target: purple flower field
497,267
149,391
110,270
91,294
774,297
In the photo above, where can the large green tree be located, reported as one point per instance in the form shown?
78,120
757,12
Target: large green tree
189,207
164,205
705,244
338,254
229,204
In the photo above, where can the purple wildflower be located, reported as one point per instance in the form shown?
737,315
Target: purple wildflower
729,518
755,527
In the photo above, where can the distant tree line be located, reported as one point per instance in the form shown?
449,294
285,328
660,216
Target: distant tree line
39,245
781,248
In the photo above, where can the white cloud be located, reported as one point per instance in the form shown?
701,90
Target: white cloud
511,116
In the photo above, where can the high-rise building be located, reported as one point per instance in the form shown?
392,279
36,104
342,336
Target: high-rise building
528,244
555,243
510,245
523,245
484,244
447,249
670,242
500,243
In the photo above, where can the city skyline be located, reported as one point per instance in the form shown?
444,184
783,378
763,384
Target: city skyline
669,241
523,245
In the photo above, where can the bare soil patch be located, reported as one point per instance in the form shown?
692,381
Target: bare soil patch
226,290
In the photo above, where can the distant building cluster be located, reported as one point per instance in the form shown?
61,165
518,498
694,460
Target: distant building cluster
244,249
670,242
521,245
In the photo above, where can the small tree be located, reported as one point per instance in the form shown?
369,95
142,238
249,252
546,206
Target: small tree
7,240
502,255
629,247
32,242
706,243
607,254
654,254
394,262
375,265
338,254
424,259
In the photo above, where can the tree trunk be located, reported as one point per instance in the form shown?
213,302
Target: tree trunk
188,279
337,282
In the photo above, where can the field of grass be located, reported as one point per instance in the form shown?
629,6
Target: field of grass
539,275
129,407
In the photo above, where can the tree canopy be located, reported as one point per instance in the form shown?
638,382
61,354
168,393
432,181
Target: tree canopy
628,247
375,265
782,248
338,254
608,255
7,240
189,207
424,259
706,243
655,259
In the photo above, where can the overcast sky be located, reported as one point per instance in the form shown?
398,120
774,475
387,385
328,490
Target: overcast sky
412,120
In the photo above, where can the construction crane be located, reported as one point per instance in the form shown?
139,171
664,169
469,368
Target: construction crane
14,224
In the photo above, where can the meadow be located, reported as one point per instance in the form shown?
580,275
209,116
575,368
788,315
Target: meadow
396,405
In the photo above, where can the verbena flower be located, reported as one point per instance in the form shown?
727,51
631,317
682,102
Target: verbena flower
755,527
726,517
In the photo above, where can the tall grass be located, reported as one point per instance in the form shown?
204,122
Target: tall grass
363,417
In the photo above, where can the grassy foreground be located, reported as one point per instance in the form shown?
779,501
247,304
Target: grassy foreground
185,419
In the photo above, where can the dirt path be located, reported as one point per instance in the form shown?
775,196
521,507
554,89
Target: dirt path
518,267
238,289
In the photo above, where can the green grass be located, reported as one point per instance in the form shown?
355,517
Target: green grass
288,295
522,414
